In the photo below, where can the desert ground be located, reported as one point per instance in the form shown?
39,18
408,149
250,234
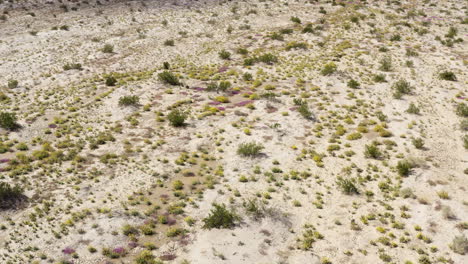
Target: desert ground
254,131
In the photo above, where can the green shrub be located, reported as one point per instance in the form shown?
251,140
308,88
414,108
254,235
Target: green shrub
12,84
129,230
169,42
328,69
146,257
268,58
129,100
72,66
9,194
177,117
108,48
347,186
224,54
404,167
400,88
250,149
8,120
353,84
296,45
372,151
379,78
220,217
111,81
276,36
169,78
308,29
448,76
418,143
462,110
296,20
413,109
166,65
464,125
465,141
305,112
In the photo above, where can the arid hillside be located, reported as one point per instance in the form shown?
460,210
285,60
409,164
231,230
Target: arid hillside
243,132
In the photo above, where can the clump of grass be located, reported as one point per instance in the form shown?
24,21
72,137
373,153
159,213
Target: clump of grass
296,20
169,78
177,117
353,84
169,42
418,143
220,217
413,109
129,100
250,149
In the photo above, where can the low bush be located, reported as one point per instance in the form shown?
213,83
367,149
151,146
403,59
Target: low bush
372,151
220,217
108,48
111,81
328,69
224,54
129,100
12,84
347,186
169,78
386,64
177,117
72,66
413,109
250,149
418,143
8,120
404,168
169,42
400,88
296,20
448,76
9,194
353,84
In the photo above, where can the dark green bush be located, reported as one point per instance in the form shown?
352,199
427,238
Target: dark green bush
9,194
296,20
177,117
129,100
305,111
111,81
169,42
166,65
249,149
169,78
72,66
224,54
268,58
220,217
12,84
353,84
108,48
448,76
8,120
